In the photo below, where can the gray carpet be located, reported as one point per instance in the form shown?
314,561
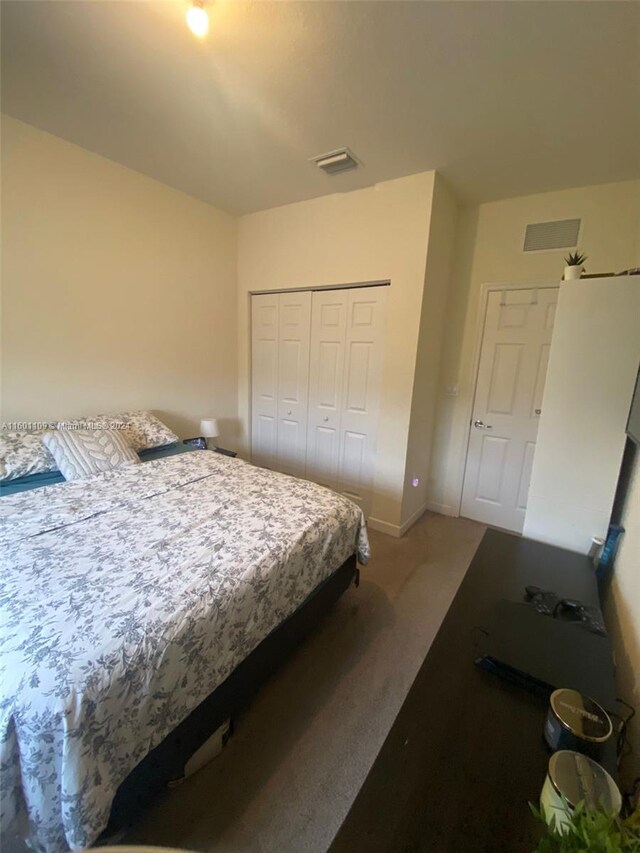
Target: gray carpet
303,748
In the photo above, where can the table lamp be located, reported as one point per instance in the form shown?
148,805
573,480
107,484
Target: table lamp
209,428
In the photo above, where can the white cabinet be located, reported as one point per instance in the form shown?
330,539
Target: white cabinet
317,366
593,363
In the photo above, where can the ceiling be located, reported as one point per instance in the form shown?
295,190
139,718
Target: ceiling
503,98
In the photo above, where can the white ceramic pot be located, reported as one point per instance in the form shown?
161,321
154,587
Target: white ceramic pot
573,778
572,272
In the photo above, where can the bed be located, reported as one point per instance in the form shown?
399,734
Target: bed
131,601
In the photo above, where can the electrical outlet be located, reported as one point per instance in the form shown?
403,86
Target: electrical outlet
451,390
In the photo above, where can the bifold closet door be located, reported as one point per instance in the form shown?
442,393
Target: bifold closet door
347,331
326,375
280,326
294,323
264,378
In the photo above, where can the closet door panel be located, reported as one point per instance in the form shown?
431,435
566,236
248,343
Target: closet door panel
328,328
264,441
361,392
357,398
294,324
322,456
264,378
354,461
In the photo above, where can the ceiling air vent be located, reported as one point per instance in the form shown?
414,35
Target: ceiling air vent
562,234
336,161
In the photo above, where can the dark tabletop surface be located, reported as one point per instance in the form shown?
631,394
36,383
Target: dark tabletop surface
466,752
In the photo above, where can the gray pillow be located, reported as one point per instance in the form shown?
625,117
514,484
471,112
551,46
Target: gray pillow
80,453
140,429
23,453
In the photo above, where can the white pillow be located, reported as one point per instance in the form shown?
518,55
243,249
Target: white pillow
80,453
23,453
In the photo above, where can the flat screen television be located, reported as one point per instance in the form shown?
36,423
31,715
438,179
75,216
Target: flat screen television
633,424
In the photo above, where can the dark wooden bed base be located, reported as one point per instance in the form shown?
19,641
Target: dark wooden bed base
166,762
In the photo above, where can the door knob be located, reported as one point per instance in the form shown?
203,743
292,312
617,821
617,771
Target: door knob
288,411
325,418
482,425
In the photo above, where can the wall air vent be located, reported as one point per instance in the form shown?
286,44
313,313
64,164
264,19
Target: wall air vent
562,234
336,161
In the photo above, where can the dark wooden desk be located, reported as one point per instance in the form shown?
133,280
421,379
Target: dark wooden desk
466,752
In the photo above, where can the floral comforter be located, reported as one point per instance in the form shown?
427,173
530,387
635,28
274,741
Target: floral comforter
126,598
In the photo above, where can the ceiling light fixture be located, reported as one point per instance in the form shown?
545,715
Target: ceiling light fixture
198,20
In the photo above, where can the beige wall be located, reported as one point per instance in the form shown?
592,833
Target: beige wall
368,235
489,249
623,615
117,291
442,231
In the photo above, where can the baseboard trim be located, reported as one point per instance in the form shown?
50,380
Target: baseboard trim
442,509
412,519
397,530
384,527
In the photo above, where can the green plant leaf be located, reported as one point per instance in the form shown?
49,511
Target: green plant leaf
574,259
589,831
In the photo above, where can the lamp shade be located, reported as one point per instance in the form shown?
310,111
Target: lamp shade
209,428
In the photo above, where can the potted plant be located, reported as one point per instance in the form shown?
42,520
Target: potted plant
590,830
574,268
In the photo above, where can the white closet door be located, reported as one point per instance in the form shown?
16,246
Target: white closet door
328,337
293,382
361,392
317,367
264,349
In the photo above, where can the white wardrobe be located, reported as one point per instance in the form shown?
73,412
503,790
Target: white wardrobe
593,364
316,372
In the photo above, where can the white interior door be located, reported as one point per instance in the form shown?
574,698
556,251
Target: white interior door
507,405
328,340
362,375
294,321
264,378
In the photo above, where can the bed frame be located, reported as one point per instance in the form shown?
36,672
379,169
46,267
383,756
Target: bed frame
166,762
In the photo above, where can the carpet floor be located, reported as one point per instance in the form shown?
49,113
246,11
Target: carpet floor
302,749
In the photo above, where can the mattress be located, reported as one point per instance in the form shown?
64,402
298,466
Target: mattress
126,599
